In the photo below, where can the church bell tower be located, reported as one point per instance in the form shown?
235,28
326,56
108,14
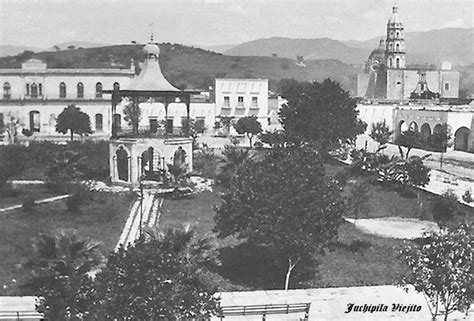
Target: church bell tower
395,42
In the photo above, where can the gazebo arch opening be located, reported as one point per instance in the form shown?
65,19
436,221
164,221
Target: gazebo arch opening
122,160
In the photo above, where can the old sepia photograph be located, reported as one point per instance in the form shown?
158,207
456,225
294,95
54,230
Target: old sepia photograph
225,160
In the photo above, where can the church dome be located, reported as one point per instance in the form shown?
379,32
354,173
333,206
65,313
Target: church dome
395,18
378,53
151,49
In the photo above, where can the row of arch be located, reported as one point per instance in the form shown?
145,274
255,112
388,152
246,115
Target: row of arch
35,121
34,90
461,135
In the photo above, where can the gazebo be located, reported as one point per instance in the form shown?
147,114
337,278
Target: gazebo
144,155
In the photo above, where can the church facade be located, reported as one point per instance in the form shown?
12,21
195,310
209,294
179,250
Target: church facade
386,76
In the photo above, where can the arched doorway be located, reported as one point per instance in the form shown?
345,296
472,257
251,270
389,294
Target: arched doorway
402,127
122,164
413,127
461,139
438,129
425,132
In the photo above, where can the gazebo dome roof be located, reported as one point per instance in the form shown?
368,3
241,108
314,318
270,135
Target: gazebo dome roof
151,49
151,78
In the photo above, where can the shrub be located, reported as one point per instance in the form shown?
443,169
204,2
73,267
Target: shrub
77,199
444,208
206,163
28,204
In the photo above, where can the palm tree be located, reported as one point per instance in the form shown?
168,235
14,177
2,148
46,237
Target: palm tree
59,271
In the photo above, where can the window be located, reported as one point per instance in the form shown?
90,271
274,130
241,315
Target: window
117,122
98,122
34,121
169,125
116,86
27,89
62,90
40,89
240,102
98,90
390,63
397,46
254,102
398,34
226,101
34,90
390,46
422,87
6,91
398,62
446,86
80,90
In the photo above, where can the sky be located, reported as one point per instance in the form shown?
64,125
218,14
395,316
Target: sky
43,24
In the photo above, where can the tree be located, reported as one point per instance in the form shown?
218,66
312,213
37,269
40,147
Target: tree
322,113
12,162
285,203
132,115
63,168
249,126
381,133
159,277
59,269
233,158
442,268
409,139
75,121
441,140
194,128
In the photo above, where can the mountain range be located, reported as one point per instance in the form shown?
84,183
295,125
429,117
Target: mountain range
424,47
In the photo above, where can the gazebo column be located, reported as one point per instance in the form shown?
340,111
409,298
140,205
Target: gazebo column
187,101
166,103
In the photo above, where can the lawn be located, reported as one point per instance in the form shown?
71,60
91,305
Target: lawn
102,218
357,259
19,193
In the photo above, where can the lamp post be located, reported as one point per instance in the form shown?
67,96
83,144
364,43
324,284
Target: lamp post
140,181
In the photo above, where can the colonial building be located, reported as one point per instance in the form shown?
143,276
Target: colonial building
242,97
386,76
34,95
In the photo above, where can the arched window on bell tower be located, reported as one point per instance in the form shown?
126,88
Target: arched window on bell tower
390,63
398,62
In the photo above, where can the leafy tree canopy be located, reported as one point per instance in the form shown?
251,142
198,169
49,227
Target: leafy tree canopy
322,113
284,202
442,267
158,278
409,139
249,126
381,133
75,121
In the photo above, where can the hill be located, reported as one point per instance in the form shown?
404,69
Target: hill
189,67
15,50
323,48
452,44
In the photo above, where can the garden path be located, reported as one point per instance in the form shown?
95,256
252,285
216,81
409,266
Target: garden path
142,214
394,227
46,200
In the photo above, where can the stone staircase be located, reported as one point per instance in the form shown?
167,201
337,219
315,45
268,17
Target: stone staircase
145,213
